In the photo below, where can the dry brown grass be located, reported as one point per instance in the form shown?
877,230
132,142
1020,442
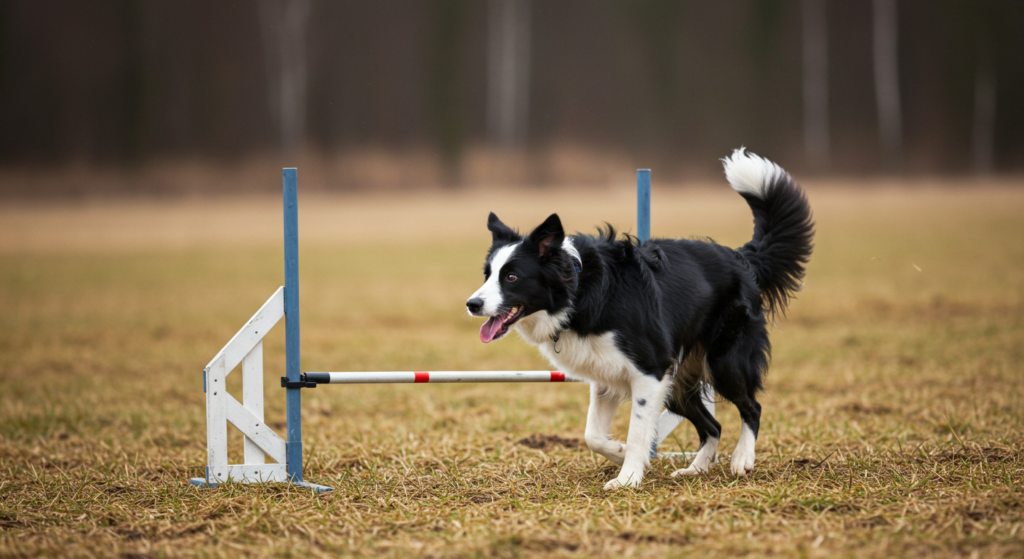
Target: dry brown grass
893,411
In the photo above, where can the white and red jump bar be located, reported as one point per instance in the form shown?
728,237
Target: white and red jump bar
435,377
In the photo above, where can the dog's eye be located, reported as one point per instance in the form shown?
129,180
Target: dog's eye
511,277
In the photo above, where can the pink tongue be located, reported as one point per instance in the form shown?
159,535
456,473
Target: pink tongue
490,328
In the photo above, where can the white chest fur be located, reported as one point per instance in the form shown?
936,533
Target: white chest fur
593,358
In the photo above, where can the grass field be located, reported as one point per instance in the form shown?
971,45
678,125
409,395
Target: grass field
894,409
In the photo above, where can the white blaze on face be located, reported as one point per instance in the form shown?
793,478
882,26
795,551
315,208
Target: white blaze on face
490,292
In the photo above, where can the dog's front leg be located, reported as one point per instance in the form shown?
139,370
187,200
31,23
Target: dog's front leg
648,401
603,405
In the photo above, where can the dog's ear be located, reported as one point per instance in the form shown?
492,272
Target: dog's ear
500,231
548,236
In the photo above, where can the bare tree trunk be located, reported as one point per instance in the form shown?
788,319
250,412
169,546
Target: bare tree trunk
887,82
508,71
815,70
983,134
284,42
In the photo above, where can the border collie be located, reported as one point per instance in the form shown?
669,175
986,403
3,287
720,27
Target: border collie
651,320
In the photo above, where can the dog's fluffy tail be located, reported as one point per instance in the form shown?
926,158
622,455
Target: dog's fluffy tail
783,226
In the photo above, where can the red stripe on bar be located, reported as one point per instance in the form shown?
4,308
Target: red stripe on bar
557,376
422,376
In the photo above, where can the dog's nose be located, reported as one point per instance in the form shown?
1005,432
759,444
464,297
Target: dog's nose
475,304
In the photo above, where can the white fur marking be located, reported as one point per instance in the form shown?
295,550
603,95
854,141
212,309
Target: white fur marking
537,328
750,174
593,358
642,425
490,292
567,246
706,456
599,424
743,457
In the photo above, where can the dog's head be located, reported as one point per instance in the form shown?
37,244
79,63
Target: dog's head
524,275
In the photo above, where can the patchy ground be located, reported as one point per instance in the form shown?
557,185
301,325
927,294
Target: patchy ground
894,409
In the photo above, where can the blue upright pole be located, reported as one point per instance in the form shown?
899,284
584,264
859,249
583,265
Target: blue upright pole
293,361
643,204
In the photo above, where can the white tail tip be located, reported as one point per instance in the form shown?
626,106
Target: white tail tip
750,174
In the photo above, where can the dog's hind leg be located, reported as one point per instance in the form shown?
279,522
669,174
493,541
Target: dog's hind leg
648,400
743,457
738,374
708,429
687,400
603,405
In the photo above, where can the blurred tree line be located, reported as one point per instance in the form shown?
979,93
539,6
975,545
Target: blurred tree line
844,86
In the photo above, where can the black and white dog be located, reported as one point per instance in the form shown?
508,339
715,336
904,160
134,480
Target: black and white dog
650,321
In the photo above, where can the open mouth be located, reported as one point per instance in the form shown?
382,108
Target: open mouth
497,326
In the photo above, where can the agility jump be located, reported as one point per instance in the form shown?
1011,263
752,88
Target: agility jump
246,349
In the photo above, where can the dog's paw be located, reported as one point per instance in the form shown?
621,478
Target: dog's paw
613,451
624,480
692,470
743,457
612,485
706,457
616,452
742,461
